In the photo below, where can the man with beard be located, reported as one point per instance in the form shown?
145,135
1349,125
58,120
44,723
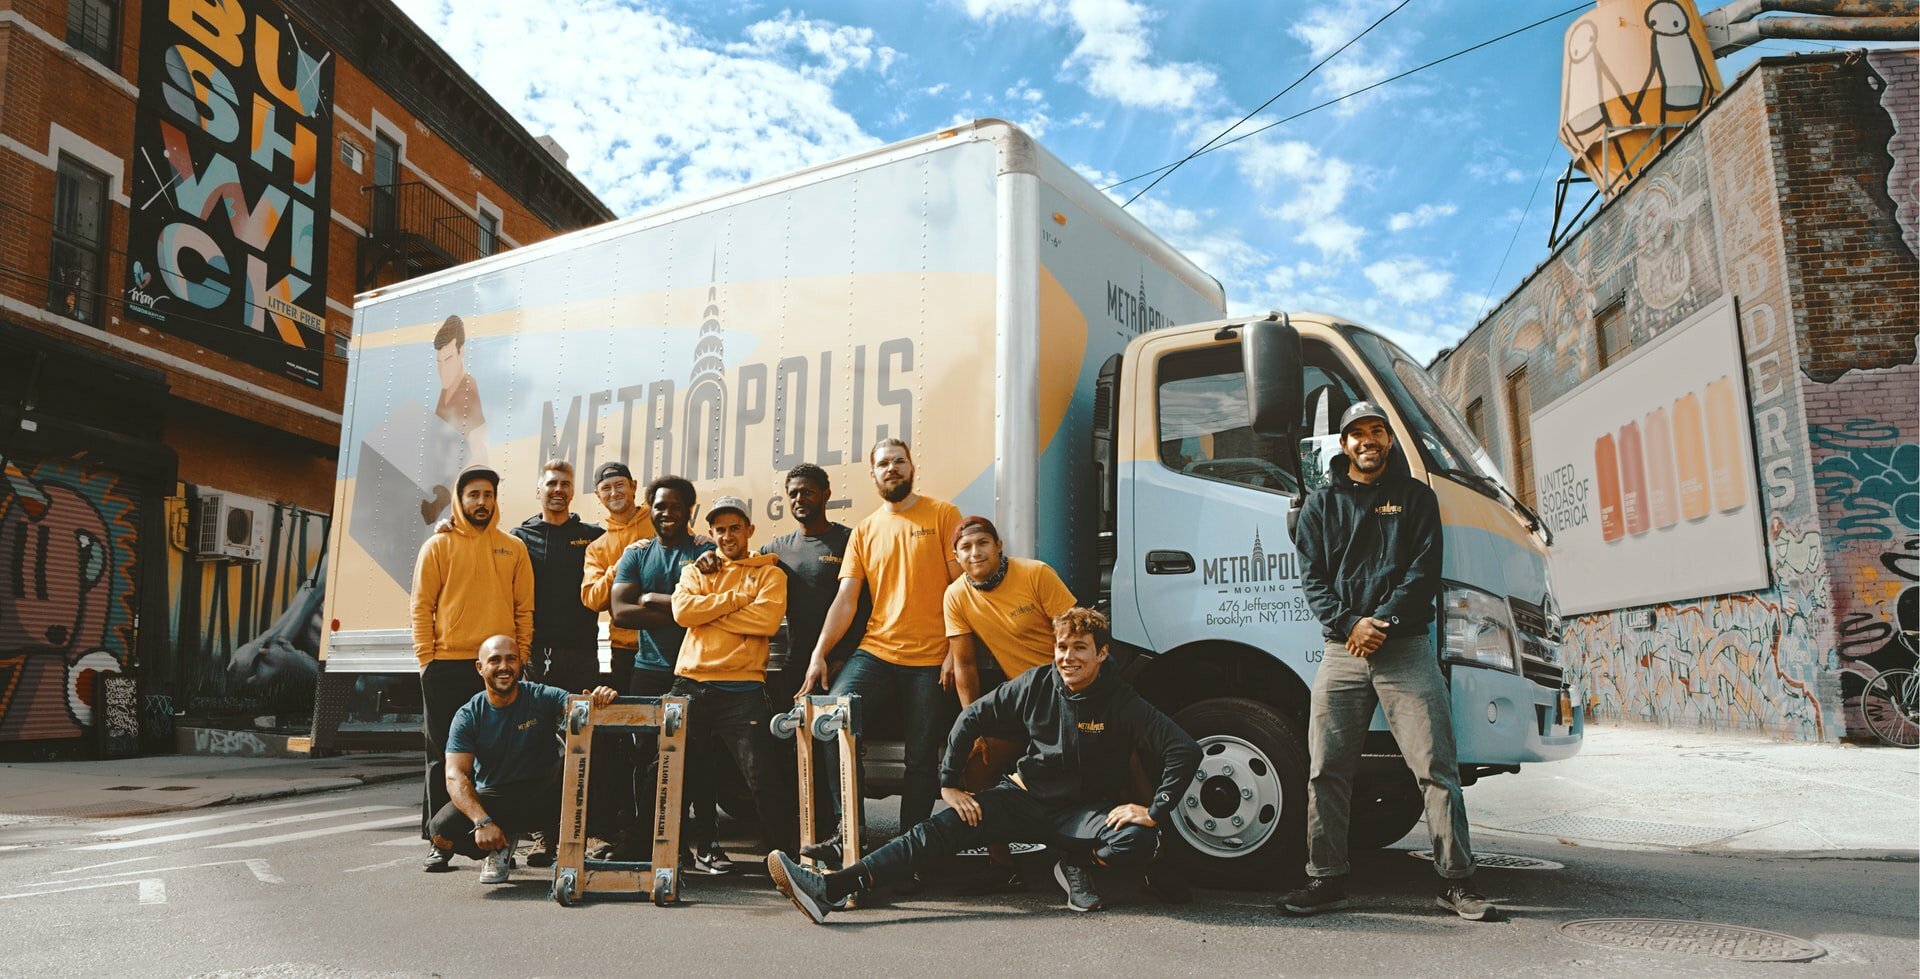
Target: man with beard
1369,547
626,524
469,584
644,580
729,613
503,762
1081,724
901,554
811,557
565,632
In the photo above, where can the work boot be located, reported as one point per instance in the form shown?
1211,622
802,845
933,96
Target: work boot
1077,881
543,857
438,861
806,889
1320,894
497,868
1459,897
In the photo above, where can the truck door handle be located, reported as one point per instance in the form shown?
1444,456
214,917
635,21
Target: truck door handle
1169,562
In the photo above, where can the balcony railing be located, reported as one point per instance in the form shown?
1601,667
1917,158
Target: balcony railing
414,231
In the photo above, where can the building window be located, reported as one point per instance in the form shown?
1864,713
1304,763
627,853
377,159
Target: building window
342,342
1477,421
1610,331
1519,412
386,180
489,232
93,27
79,232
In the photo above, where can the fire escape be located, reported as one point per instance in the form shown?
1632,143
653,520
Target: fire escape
414,231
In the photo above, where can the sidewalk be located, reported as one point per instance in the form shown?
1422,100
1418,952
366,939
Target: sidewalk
1655,788
168,783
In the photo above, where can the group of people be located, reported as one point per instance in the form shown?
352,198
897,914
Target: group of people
896,610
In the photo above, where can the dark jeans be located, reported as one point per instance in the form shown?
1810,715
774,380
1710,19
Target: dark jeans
573,667
735,721
646,748
1010,814
518,808
927,714
445,686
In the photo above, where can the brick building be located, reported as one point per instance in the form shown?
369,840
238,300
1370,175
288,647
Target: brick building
1793,197
191,193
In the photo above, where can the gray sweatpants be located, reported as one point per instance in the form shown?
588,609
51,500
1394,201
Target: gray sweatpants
1403,678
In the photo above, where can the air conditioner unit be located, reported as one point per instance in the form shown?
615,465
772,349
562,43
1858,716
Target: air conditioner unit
233,526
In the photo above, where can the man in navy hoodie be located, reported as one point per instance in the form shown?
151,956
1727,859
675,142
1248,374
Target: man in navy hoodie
566,633
1369,547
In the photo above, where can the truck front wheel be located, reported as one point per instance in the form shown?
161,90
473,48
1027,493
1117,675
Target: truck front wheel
1243,818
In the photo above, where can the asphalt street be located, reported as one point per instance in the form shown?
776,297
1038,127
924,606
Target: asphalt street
329,885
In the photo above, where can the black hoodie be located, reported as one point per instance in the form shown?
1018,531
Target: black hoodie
1371,550
559,553
1079,745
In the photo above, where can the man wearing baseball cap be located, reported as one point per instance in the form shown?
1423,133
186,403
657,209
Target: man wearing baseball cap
1369,547
730,613
469,584
627,523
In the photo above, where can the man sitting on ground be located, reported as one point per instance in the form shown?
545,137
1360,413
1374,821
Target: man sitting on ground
503,762
1082,725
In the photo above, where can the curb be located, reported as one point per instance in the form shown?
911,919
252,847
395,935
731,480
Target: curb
312,786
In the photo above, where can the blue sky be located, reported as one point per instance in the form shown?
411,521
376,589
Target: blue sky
1396,208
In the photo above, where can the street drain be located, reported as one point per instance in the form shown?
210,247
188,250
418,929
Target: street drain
1499,861
1692,938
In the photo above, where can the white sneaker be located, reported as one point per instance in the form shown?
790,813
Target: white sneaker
497,868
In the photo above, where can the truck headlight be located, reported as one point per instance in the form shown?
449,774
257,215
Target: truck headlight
1476,627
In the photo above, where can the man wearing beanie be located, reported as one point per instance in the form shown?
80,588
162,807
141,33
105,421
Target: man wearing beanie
469,584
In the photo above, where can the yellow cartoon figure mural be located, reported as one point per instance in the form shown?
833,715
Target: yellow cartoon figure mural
1635,72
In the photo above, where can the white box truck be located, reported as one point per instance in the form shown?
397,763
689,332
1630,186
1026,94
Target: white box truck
1054,364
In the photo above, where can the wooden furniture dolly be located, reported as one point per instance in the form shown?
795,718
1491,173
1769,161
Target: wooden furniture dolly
575,876
826,719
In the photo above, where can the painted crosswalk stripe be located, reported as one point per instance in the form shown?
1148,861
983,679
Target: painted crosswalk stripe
97,866
305,817
310,834
224,814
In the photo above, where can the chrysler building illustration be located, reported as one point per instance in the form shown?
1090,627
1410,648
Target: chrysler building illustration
707,393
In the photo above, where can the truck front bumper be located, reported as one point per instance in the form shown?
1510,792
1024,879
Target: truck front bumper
1500,718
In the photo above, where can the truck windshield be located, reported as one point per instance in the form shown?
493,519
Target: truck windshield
1442,435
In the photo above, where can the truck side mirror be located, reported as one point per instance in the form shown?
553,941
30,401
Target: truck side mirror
1270,354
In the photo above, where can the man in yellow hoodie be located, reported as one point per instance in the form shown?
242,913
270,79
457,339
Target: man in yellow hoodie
730,613
469,584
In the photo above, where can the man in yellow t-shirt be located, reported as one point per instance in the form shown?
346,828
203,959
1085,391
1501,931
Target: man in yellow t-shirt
900,553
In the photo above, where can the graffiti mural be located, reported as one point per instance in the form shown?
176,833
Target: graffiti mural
68,591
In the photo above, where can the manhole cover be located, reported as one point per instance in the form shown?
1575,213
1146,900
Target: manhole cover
1626,830
1499,861
1017,849
1692,938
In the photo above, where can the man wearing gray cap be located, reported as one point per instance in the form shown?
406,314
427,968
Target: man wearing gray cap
469,584
730,612
1369,547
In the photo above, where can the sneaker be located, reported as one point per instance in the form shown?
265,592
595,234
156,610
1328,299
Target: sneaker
1168,886
806,889
712,861
825,852
497,868
543,857
438,861
1459,897
1077,881
1320,894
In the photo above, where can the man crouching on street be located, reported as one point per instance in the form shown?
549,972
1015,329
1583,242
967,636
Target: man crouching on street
503,762
1082,725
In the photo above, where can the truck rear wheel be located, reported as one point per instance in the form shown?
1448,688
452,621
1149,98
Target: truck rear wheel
1243,818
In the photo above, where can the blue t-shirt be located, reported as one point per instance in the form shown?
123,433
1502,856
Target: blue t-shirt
656,567
513,743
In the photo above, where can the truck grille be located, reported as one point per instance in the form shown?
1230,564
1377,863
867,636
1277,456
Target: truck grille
1528,617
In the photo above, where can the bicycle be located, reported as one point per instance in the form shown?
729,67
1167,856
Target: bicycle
1891,703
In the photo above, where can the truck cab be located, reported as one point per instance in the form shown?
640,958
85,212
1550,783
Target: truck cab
1208,437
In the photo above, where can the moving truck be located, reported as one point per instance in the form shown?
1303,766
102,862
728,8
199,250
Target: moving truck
1054,365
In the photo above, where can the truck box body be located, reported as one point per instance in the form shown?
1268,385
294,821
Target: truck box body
959,290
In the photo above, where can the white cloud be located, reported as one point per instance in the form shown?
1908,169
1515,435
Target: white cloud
1408,280
1325,28
673,114
836,48
1318,185
1113,51
1420,216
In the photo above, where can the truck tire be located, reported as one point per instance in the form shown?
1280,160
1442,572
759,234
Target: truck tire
1385,809
1253,769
